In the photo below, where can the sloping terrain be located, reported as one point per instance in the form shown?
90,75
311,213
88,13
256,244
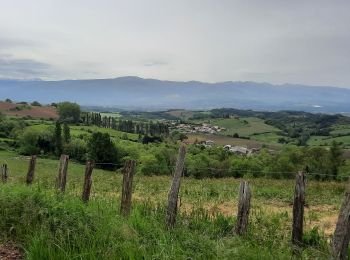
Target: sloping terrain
22,110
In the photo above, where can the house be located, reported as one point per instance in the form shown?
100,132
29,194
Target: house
239,150
208,143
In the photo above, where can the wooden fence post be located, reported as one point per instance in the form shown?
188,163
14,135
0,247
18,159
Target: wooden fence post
128,174
87,181
174,190
62,173
298,209
243,208
4,173
31,169
341,235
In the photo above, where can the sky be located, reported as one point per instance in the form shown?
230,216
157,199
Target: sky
275,41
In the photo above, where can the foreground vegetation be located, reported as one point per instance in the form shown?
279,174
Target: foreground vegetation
48,225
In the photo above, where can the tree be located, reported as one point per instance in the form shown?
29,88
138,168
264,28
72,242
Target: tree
66,133
58,139
8,100
69,112
28,141
101,149
76,149
36,103
335,158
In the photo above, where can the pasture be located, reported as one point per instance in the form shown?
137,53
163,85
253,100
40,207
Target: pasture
48,225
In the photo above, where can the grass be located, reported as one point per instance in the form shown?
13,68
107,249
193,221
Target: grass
327,140
224,140
245,126
79,130
111,114
48,225
115,134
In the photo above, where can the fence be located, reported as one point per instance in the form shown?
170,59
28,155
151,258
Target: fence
339,243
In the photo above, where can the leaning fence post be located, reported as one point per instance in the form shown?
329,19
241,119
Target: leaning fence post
174,190
298,209
243,208
341,235
128,174
62,173
31,169
4,173
87,181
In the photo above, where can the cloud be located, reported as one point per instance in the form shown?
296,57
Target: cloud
11,43
155,63
11,67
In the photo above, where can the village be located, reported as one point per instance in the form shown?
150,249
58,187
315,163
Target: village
203,128
235,149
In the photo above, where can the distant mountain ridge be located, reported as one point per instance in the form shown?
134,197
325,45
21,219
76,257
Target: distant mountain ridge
152,94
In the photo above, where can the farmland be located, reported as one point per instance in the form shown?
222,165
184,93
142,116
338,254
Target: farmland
25,110
204,228
46,224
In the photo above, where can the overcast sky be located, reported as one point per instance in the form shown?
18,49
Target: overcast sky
272,41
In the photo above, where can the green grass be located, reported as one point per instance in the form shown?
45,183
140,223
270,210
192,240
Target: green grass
266,137
115,134
111,114
245,126
78,130
48,225
327,140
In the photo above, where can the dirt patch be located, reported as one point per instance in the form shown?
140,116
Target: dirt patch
10,252
21,110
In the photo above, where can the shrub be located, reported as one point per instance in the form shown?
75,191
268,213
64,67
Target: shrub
76,149
101,149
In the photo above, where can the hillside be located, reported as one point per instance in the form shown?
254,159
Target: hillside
152,94
22,110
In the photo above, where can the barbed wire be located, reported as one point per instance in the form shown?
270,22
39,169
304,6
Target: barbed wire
222,170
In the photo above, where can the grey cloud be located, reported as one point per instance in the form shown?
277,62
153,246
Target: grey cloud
155,63
8,43
22,68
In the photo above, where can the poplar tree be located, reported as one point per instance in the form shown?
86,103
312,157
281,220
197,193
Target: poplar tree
58,138
66,133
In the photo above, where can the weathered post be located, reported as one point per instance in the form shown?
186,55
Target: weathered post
128,174
87,181
31,169
298,209
4,173
174,190
62,173
341,235
243,208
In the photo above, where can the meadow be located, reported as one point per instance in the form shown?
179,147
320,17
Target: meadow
49,225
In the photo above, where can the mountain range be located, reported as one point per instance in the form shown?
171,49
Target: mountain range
152,94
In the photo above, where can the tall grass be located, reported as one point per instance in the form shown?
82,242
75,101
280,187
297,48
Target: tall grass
55,226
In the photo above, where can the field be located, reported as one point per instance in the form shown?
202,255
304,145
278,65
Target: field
251,127
21,110
84,130
47,225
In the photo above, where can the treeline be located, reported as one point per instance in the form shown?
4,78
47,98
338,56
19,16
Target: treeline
129,126
320,163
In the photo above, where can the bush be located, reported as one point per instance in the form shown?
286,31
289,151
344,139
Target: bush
28,141
76,149
101,149
69,112
36,103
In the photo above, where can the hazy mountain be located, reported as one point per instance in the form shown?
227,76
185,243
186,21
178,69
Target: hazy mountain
151,94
